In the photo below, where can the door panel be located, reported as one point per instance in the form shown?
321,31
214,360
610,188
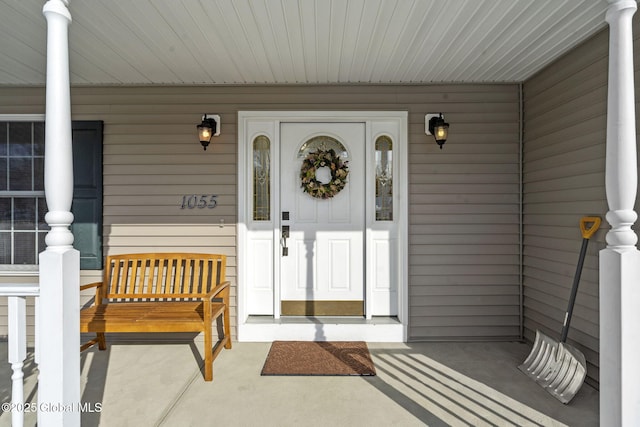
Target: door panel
325,248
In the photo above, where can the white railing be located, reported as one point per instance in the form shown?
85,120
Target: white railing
17,326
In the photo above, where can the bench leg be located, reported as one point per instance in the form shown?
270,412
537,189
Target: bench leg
208,353
99,339
102,343
227,328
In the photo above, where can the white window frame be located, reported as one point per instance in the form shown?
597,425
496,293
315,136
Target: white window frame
24,269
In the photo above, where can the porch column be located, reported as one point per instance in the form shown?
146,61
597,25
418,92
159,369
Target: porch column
620,261
59,325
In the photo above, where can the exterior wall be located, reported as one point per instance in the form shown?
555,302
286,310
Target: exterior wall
464,200
565,116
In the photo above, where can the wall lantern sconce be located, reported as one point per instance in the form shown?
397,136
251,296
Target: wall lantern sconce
435,125
209,127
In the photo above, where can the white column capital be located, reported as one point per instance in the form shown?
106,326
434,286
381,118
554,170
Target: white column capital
621,4
57,7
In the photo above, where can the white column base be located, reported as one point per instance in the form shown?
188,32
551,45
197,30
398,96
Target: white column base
619,337
59,338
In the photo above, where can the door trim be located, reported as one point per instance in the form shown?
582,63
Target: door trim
369,329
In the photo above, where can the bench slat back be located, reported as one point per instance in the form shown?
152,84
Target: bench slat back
157,276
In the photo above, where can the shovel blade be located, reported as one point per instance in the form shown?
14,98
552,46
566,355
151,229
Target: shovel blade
557,367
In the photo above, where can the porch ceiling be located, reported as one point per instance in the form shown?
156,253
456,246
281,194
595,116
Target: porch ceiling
297,41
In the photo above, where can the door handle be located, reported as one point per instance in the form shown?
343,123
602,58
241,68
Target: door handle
283,240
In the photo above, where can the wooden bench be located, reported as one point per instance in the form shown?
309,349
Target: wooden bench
161,292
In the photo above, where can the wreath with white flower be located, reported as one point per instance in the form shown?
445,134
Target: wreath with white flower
335,166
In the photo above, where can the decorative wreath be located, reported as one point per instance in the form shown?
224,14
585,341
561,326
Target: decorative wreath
320,159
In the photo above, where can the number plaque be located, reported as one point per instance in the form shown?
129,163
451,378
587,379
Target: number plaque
200,201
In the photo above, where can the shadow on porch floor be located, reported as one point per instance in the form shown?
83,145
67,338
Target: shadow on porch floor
433,384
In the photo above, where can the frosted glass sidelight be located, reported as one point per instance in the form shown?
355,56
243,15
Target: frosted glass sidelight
384,179
261,178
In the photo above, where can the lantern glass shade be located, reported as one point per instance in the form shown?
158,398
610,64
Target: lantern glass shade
206,130
441,131
205,133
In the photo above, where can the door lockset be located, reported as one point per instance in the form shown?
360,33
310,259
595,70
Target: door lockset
283,240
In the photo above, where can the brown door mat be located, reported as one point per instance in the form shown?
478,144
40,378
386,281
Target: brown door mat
319,358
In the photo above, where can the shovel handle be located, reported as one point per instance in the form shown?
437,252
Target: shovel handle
586,229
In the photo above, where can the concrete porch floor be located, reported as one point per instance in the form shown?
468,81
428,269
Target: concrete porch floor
435,384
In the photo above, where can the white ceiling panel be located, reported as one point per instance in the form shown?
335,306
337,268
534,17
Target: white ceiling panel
119,42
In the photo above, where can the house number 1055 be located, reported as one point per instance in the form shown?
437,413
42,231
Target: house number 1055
192,201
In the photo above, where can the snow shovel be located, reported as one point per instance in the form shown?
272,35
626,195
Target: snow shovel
556,366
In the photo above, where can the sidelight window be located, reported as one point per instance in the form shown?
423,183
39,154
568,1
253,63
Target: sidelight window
261,179
384,179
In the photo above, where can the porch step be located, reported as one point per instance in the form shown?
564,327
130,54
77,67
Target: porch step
325,320
307,328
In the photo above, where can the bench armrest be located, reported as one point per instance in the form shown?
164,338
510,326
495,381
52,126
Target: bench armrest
99,291
90,285
216,290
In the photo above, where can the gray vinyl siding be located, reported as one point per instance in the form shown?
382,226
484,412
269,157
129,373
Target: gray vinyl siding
564,165
464,220
463,199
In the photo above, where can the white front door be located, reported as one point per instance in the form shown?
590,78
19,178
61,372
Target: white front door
322,247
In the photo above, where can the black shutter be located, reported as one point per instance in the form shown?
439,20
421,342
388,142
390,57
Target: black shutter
87,193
